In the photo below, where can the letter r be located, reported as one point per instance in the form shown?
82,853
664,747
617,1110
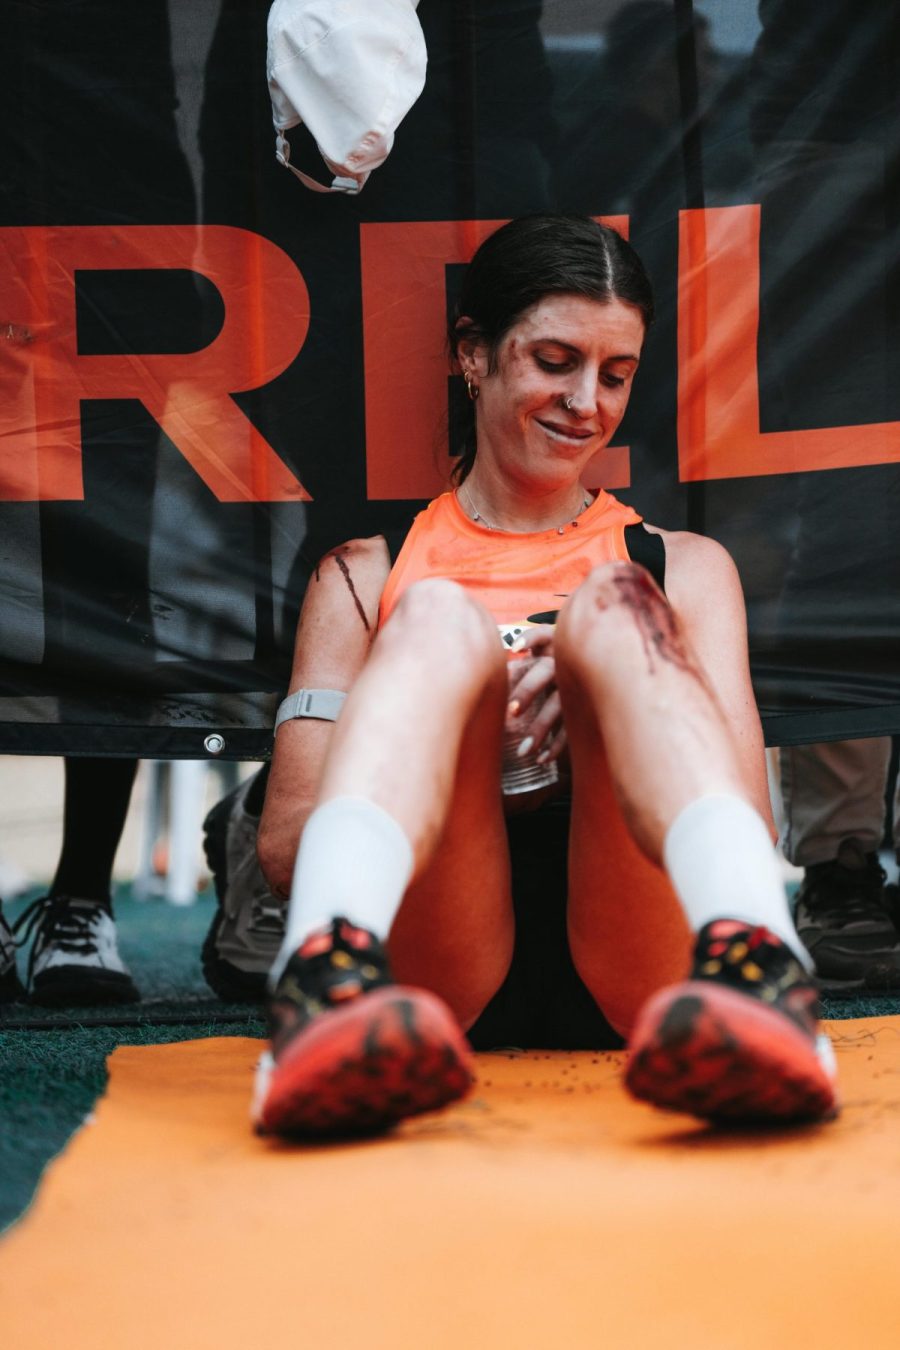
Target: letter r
43,377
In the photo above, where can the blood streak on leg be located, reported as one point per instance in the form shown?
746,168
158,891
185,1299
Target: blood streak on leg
336,554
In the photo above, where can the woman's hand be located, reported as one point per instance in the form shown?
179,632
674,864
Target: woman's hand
528,680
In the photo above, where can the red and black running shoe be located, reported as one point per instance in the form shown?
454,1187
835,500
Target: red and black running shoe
352,1054
738,1042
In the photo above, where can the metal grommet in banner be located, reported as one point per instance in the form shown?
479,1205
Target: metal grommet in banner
214,744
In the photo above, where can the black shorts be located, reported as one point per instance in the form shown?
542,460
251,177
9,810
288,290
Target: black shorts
543,1003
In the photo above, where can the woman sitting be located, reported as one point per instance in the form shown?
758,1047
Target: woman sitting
522,589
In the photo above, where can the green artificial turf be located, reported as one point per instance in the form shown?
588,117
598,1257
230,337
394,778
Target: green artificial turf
53,1061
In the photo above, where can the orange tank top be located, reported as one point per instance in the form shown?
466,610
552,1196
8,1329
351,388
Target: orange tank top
515,576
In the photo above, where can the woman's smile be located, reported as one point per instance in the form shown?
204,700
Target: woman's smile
567,435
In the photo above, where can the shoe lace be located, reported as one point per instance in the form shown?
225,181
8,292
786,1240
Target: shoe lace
267,915
53,918
331,966
757,962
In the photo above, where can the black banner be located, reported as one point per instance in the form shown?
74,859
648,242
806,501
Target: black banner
210,375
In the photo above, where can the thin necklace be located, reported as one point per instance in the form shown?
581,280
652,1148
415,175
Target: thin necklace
477,515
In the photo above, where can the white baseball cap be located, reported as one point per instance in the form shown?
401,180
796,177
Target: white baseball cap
350,70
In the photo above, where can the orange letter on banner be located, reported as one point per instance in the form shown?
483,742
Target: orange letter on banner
43,378
718,381
404,321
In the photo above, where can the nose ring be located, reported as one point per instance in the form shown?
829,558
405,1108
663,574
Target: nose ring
567,403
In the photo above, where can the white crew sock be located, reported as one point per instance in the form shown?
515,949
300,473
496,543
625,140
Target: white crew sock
723,865
354,860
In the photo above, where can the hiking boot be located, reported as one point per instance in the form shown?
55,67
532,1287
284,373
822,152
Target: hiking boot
247,928
738,1041
844,921
74,957
352,1054
11,988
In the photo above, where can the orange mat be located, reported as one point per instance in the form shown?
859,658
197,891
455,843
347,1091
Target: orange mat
548,1210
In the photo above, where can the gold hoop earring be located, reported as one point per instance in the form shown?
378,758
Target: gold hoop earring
471,387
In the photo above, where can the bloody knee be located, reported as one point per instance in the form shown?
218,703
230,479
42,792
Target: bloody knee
620,606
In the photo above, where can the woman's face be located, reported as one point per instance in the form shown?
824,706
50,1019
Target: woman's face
564,348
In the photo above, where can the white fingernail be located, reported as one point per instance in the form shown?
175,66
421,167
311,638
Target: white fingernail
524,746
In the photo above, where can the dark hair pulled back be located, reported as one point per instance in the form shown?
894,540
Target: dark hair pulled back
527,259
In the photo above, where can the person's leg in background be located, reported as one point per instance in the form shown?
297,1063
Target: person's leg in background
248,926
74,956
833,822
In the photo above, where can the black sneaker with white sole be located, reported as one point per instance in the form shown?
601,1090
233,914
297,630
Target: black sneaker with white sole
74,956
11,988
844,920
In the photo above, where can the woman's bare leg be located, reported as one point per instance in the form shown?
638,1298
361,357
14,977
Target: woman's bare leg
420,737
410,787
646,738
737,1039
